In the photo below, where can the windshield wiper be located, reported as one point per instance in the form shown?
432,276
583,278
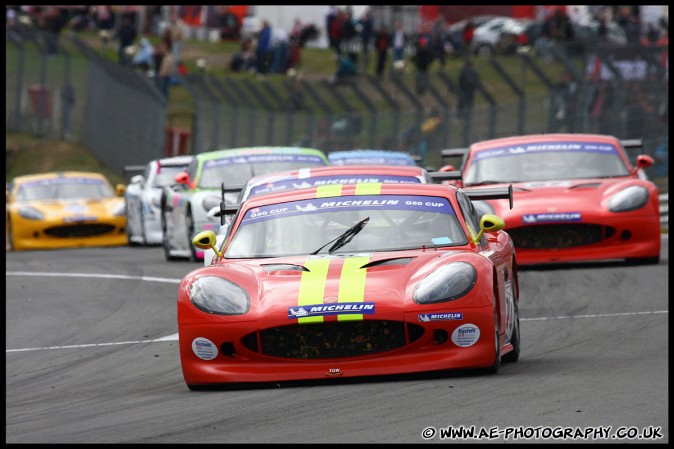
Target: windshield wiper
344,238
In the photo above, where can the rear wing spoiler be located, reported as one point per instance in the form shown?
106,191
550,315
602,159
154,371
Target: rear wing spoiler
495,193
131,170
227,209
453,152
631,144
439,176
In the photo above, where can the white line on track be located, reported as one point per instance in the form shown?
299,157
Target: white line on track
174,337
94,275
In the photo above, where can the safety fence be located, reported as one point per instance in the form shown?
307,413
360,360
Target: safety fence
121,115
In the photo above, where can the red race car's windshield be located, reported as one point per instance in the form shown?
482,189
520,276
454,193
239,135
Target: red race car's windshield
238,170
544,161
166,175
362,223
64,189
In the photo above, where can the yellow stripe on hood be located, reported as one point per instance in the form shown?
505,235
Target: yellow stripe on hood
352,284
312,286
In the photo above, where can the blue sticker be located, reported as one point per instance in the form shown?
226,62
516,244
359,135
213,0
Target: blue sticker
371,157
342,308
347,203
445,316
551,217
441,240
541,147
79,219
277,186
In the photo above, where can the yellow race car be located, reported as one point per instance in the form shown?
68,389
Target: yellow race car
64,210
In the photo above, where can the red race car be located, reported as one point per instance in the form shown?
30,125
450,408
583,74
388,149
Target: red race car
577,197
351,280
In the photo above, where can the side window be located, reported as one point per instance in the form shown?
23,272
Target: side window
470,215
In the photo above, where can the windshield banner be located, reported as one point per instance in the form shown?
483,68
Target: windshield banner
538,147
263,158
346,203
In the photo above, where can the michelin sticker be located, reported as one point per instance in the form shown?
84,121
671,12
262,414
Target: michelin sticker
204,348
466,335
556,217
427,317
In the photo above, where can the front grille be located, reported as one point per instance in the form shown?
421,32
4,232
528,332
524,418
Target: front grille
333,339
80,230
567,235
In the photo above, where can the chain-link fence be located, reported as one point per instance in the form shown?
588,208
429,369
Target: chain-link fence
124,119
76,93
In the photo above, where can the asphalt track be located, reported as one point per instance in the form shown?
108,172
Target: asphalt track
92,357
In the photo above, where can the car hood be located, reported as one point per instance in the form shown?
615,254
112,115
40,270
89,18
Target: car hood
385,278
54,209
564,196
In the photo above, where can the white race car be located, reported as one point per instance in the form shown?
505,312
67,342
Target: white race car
197,190
323,177
143,198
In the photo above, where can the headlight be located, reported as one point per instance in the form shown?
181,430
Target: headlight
118,210
210,202
482,208
631,198
447,283
30,213
219,296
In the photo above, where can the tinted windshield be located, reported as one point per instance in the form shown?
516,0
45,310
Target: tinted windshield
545,161
396,222
64,189
166,174
237,170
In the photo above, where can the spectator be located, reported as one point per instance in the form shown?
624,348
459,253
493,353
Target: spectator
652,34
245,59
105,18
53,21
279,50
399,42
346,67
177,37
429,133
263,51
126,34
438,40
348,32
167,71
366,25
336,32
228,23
330,17
423,57
469,81
294,55
382,43
296,31
564,103
144,57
